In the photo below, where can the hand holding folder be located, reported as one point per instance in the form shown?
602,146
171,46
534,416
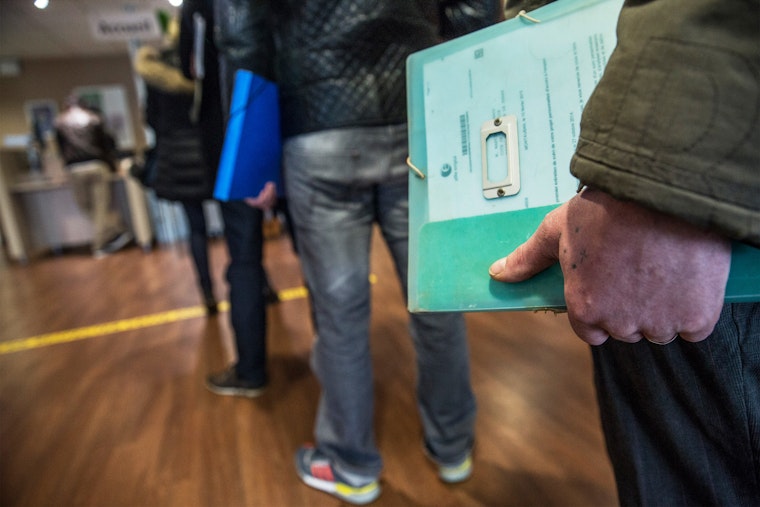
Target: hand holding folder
266,199
493,122
629,272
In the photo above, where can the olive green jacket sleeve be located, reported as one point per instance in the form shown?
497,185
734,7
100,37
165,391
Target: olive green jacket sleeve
674,123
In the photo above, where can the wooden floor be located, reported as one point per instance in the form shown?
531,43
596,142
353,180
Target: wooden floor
102,403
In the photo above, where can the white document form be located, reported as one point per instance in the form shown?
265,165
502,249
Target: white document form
539,76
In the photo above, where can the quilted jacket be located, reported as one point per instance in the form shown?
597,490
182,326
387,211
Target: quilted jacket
341,63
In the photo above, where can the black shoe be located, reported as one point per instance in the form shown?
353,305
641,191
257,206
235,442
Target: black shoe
227,383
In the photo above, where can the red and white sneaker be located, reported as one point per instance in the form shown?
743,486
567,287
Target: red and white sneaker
315,469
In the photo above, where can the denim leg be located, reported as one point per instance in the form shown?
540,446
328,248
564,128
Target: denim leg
339,183
245,275
331,204
446,401
682,421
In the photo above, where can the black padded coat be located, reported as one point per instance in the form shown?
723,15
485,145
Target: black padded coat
181,172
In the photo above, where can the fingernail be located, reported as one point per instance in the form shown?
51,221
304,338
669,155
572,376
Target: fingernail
497,267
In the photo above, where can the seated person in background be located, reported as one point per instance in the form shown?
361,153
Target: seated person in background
89,154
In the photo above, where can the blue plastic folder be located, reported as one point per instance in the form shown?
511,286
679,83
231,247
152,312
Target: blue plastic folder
493,122
252,149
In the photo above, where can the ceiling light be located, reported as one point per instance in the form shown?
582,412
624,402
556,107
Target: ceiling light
175,3
41,4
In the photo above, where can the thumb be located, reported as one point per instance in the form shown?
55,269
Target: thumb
535,255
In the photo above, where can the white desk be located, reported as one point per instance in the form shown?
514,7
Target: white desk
38,211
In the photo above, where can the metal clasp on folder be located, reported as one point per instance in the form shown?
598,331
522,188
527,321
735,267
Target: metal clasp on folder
414,168
500,157
524,15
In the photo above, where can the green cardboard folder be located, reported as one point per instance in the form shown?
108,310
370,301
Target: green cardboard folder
493,122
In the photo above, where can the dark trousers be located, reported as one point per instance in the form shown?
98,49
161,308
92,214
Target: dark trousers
196,219
246,278
682,421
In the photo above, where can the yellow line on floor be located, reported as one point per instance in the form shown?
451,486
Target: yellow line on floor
118,326
83,333
291,294
131,324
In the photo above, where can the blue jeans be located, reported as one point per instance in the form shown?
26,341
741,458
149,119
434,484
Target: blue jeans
340,183
246,277
682,421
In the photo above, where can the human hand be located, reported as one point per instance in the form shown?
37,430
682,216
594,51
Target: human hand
266,199
630,273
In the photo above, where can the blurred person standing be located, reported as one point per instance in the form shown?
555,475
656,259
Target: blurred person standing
340,66
243,220
181,173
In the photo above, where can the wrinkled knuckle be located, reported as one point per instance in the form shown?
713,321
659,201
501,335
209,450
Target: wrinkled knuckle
584,312
699,326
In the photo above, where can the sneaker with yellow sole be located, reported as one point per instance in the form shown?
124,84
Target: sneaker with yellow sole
316,470
452,473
